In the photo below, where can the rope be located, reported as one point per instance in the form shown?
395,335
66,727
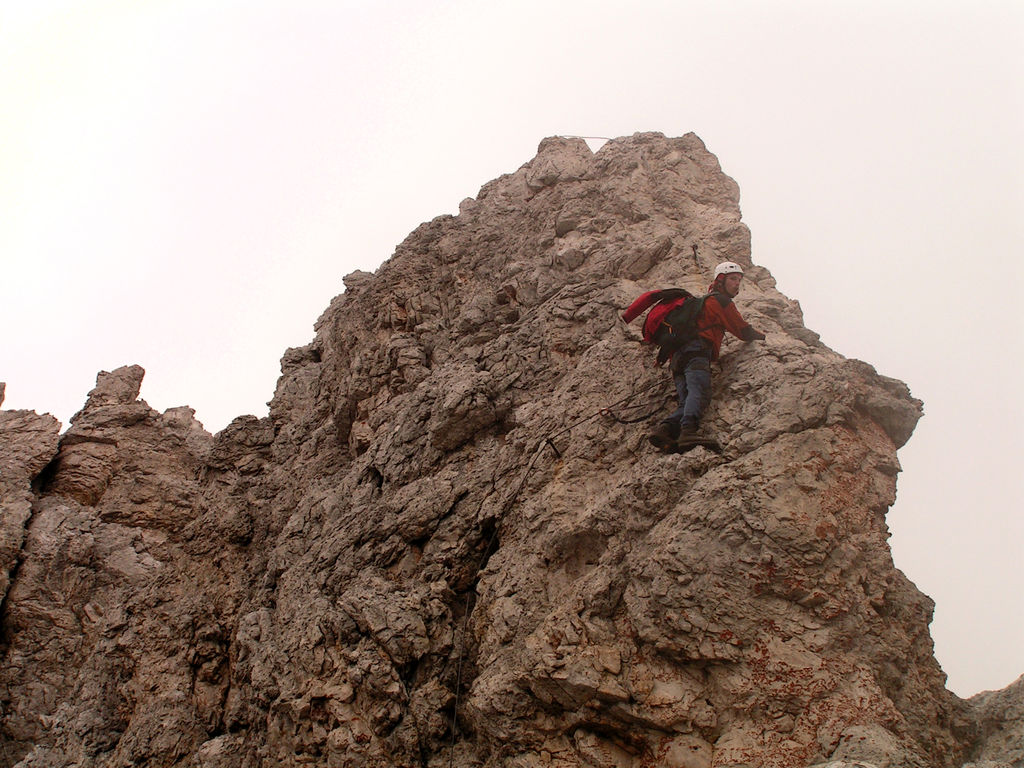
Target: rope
466,611
458,683
607,408
547,441
637,420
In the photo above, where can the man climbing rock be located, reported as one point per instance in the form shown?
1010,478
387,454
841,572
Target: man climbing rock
690,336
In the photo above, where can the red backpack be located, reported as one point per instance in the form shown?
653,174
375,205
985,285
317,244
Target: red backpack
672,320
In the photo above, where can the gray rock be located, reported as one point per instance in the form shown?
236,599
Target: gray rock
450,543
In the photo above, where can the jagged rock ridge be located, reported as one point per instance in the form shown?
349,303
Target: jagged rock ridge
441,520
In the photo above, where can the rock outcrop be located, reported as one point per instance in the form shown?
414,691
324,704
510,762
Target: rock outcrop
1000,715
28,443
449,543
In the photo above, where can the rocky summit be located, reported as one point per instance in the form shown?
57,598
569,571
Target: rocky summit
449,544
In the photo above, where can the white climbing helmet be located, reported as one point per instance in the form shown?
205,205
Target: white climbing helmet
728,268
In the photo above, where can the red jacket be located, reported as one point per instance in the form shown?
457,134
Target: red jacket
718,315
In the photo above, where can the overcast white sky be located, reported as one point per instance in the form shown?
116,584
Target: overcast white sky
184,184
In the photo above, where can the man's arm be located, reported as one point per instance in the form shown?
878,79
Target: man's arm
749,334
739,327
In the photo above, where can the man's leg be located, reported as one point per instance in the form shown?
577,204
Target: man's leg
697,386
665,434
679,379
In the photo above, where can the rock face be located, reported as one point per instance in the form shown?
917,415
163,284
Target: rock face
449,543
1001,718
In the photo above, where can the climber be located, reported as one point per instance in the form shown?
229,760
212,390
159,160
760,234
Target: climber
691,357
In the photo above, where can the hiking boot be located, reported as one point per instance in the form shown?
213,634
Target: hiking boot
663,437
686,431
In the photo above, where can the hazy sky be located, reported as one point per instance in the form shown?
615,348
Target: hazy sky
184,184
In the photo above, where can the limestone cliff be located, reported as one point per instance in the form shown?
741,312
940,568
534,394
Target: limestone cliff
449,543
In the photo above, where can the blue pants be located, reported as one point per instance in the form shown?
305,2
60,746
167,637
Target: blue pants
693,387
